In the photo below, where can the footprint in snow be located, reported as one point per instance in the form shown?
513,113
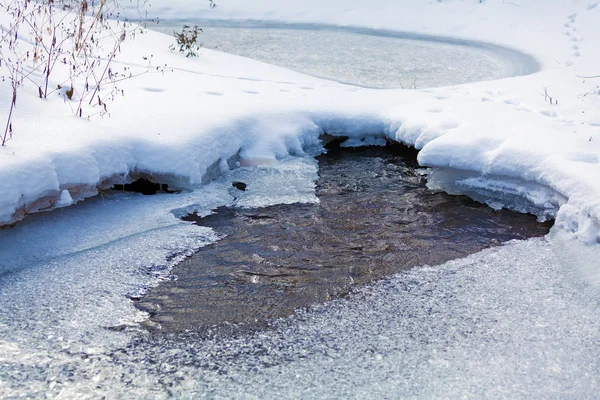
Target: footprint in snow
593,5
249,79
215,93
154,90
584,158
251,92
448,125
493,92
549,113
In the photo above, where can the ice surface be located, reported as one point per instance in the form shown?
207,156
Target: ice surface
289,181
499,192
361,57
68,273
516,321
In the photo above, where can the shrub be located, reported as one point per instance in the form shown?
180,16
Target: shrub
187,41
64,47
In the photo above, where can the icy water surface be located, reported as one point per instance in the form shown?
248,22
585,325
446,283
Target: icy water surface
362,57
519,320
375,218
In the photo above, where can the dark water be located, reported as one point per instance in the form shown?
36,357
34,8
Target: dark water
376,218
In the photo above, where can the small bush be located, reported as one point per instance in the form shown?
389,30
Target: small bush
187,41
49,45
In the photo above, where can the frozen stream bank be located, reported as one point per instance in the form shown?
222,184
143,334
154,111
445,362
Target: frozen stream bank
375,217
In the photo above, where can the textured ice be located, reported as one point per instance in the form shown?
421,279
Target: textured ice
518,321
361,57
65,276
289,181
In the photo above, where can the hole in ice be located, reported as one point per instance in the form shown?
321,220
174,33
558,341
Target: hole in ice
144,186
376,217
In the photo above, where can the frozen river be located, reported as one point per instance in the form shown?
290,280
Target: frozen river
520,320
361,57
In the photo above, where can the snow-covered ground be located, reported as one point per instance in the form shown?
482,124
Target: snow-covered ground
511,322
505,129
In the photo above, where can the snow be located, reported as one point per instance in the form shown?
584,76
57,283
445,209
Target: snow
262,113
517,321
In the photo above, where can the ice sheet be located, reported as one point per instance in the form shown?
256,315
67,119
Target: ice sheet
67,274
516,321
360,57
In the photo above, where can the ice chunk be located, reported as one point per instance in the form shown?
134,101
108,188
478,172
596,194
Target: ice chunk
65,199
499,192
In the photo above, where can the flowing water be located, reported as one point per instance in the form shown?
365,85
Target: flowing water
375,218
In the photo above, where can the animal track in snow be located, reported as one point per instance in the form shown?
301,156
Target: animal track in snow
242,78
548,113
571,32
584,158
154,90
448,125
214,93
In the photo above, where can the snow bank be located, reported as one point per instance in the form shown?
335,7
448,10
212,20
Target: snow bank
180,125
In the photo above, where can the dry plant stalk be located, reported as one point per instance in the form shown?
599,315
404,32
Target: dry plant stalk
58,46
